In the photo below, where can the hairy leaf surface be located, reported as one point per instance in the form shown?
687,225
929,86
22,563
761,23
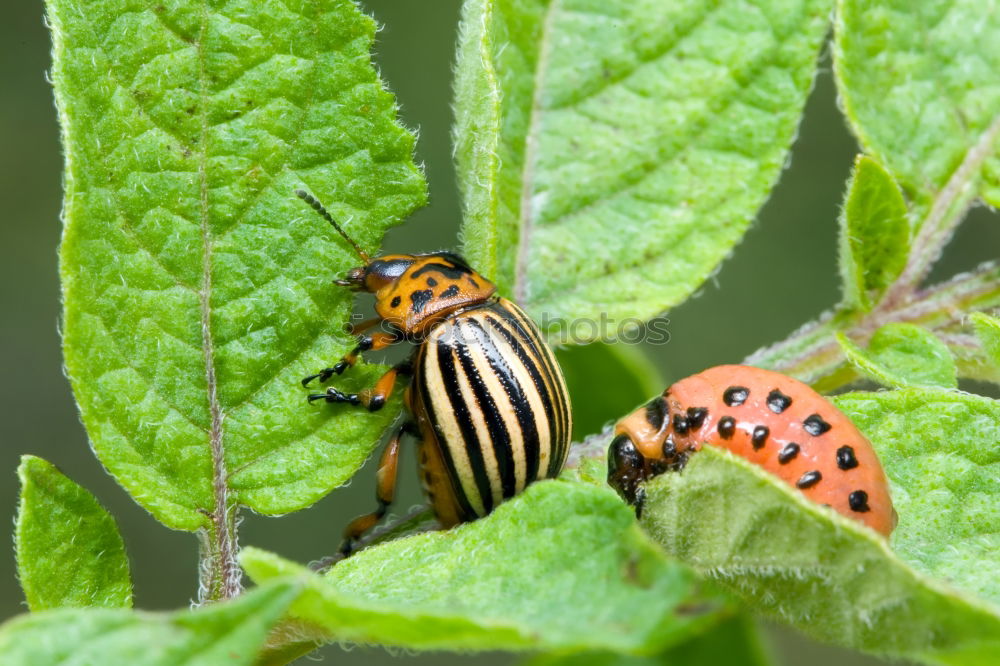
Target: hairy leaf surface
807,565
69,550
919,85
611,153
196,286
229,633
988,331
941,450
733,642
562,566
874,234
904,355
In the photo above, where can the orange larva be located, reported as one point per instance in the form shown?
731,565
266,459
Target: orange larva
768,418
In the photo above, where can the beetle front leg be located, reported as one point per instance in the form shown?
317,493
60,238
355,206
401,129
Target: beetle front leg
375,397
373,342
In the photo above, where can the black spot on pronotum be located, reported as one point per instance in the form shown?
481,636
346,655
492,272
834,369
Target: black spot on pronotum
734,396
696,416
858,501
788,453
657,413
815,425
681,424
777,401
809,479
450,291
845,458
473,282
759,436
431,282
420,299
727,426
396,301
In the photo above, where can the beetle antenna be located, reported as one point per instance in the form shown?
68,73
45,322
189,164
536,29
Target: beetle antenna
318,207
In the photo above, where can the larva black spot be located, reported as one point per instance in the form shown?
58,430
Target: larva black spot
809,479
681,424
858,501
734,396
777,401
450,291
815,425
396,301
846,459
669,448
657,413
788,453
696,416
726,427
759,436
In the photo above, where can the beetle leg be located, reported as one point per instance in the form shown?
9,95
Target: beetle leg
373,398
373,342
385,492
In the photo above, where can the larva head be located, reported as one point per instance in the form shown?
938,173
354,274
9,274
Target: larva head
412,291
643,446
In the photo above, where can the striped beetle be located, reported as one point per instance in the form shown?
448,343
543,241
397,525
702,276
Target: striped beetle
487,402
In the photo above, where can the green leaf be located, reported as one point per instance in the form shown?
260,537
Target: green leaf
822,573
69,551
940,450
606,381
988,331
611,153
561,566
196,285
903,355
874,234
225,633
919,86
733,642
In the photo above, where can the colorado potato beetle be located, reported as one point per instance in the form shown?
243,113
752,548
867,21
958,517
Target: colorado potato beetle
772,420
487,402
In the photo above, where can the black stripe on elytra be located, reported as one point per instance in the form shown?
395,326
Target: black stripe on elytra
529,361
425,398
530,331
499,435
470,439
516,397
527,330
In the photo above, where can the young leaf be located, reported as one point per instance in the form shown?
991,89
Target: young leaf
874,234
196,285
822,573
903,355
605,381
69,551
988,331
562,566
733,642
611,153
940,450
919,87
224,633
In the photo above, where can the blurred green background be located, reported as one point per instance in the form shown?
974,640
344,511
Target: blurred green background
792,243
